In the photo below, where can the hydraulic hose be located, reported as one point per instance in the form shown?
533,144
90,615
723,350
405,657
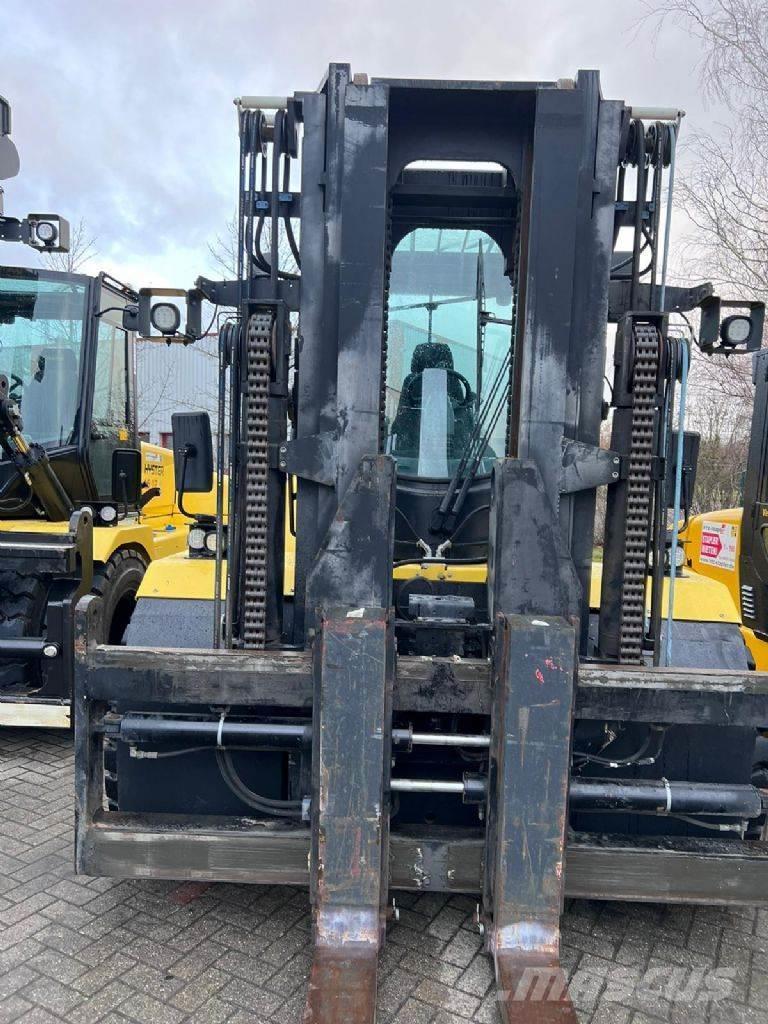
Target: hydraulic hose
678,492
668,217
262,804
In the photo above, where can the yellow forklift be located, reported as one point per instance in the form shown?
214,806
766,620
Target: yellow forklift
70,458
437,701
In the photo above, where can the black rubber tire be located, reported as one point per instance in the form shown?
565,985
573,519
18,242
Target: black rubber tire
22,608
116,583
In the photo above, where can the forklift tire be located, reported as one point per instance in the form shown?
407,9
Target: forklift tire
22,608
116,583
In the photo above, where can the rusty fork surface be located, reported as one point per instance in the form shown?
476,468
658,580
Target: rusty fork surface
532,989
354,671
534,672
342,985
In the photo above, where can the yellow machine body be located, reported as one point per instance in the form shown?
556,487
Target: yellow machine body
159,530
699,597
719,561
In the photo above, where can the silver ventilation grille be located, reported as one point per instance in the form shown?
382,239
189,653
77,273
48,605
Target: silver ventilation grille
747,601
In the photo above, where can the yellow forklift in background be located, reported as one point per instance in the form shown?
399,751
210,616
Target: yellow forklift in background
70,456
69,460
731,545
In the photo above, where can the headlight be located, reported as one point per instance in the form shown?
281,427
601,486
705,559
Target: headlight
46,232
196,538
679,557
108,514
735,330
165,317
210,542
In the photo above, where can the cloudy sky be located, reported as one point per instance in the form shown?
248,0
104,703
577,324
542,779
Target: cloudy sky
123,110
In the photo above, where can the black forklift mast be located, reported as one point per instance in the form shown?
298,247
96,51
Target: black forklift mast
319,686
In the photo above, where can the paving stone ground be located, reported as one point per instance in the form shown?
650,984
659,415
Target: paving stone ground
86,950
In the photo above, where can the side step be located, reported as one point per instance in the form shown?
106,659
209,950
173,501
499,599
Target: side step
28,713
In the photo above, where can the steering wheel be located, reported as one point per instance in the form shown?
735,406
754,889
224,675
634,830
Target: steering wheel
411,387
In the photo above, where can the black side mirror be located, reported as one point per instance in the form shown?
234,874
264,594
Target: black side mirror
126,476
131,317
691,444
192,453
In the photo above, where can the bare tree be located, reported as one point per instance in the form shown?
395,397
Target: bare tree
82,249
723,452
723,189
223,249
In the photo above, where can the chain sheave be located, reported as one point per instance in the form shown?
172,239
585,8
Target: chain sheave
639,493
254,595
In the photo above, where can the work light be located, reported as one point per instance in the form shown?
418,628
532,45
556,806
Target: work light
46,232
735,330
165,317
196,538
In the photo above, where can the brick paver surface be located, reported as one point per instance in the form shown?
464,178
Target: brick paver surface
83,950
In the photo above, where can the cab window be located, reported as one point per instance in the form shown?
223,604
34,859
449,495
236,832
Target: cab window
110,419
448,359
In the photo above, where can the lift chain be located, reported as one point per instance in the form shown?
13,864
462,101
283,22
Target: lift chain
385,331
645,370
254,593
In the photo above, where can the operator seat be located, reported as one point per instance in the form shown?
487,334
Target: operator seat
406,426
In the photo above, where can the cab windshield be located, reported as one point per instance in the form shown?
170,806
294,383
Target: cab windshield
448,357
41,340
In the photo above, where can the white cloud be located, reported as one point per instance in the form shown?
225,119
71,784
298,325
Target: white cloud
123,112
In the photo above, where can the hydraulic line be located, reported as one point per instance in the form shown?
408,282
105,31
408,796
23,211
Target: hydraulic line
640,193
676,510
263,804
227,340
274,212
656,200
476,443
640,756
287,219
673,129
659,537
251,123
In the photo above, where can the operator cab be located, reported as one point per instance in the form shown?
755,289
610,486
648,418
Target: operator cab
70,370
